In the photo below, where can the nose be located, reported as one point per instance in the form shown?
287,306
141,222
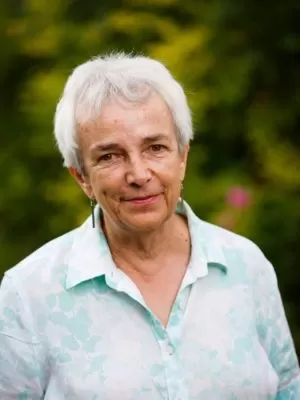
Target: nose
138,172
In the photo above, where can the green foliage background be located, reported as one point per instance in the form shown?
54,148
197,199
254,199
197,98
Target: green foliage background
239,62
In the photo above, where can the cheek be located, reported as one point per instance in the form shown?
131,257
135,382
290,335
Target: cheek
106,183
171,169
168,165
170,179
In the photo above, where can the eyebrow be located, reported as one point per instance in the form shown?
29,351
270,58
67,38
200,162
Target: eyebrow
104,147
114,146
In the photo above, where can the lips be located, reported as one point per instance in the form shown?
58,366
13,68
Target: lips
143,200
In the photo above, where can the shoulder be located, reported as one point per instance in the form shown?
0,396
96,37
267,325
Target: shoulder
239,252
45,263
226,238
26,287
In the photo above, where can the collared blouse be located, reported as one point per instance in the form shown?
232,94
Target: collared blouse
73,326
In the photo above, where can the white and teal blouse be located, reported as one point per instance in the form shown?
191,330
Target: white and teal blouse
74,327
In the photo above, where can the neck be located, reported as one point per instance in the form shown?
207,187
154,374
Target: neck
147,251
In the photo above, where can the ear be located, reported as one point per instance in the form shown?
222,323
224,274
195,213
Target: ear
83,182
183,162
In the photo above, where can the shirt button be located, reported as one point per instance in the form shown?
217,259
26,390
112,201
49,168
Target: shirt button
170,349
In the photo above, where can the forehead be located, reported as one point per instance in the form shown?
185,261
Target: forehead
122,120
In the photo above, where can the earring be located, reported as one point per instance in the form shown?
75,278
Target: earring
92,204
181,198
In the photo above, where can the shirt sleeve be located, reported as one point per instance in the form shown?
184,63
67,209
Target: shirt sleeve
274,332
21,374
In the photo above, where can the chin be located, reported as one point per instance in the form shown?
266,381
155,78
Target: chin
146,222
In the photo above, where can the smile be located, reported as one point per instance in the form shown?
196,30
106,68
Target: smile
145,200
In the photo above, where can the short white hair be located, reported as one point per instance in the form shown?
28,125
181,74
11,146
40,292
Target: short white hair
98,80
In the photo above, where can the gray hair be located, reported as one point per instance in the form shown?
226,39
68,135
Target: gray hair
100,79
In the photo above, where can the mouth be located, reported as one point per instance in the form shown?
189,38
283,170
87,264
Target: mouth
142,200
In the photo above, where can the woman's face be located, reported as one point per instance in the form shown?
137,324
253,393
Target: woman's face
132,164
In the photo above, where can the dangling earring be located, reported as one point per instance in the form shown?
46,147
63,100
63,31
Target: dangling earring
181,198
92,204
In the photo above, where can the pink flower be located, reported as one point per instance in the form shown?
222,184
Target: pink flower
238,197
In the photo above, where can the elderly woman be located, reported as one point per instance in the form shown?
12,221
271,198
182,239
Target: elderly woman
144,301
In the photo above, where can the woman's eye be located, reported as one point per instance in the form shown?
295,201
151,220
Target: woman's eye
157,147
106,157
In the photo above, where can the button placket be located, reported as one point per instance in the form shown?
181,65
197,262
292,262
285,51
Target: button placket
170,349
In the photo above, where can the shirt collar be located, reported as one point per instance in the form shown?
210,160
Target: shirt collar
90,255
206,247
